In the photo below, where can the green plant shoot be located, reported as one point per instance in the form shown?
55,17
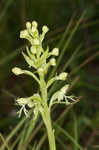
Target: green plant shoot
41,59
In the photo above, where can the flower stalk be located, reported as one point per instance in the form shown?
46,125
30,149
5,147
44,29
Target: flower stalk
46,113
41,60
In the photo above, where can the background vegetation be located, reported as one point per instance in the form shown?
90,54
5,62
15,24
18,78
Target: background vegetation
77,36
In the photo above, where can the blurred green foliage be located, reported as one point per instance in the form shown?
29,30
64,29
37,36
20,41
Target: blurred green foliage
80,48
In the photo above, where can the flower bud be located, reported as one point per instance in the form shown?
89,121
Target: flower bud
64,88
24,34
34,23
55,51
17,71
33,49
62,76
53,61
45,29
28,25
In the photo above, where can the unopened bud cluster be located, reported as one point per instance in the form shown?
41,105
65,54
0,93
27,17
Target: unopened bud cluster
36,57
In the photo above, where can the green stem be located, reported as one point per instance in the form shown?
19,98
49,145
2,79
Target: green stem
46,113
50,131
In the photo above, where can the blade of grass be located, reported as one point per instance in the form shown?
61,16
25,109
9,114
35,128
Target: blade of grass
65,133
91,23
75,131
4,11
20,144
67,44
33,134
18,138
66,31
52,39
95,146
26,136
91,86
4,141
8,93
34,146
89,59
31,125
39,145
10,56
13,132
15,142
71,59
94,48
61,142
